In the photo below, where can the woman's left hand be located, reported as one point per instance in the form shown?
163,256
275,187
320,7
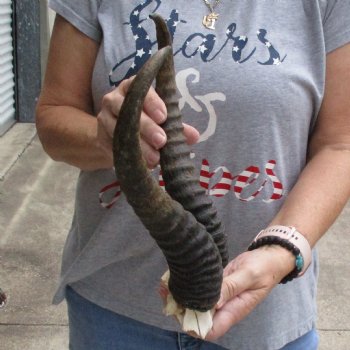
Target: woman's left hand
248,279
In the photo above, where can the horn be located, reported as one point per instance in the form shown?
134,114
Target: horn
192,255
177,168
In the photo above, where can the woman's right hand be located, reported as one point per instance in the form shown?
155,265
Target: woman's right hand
152,135
65,117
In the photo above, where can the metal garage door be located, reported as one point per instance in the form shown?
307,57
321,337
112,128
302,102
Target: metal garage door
7,110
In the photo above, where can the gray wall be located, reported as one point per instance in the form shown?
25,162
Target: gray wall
28,58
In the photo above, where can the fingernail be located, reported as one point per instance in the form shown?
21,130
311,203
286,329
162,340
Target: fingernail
220,302
159,116
159,139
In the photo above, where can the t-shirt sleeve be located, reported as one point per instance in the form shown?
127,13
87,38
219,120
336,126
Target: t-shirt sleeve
82,14
336,24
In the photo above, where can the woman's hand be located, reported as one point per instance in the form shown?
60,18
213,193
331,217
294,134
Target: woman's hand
152,135
65,117
248,279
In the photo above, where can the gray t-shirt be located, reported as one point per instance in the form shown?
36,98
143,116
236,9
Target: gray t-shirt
253,88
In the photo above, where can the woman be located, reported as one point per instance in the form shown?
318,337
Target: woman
266,85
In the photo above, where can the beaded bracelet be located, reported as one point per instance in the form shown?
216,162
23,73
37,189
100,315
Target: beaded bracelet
299,261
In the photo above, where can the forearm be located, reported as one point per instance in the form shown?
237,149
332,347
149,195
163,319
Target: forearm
69,134
319,195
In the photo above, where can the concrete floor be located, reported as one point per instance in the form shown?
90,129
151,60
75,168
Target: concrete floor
36,201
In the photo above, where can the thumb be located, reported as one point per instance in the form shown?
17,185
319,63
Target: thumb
233,285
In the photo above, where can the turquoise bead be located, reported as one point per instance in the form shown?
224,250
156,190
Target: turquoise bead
299,262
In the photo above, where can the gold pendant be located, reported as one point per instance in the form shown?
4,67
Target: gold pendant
210,20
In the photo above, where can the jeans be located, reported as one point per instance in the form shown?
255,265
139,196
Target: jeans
308,341
94,328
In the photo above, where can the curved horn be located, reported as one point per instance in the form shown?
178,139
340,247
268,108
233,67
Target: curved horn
177,168
194,260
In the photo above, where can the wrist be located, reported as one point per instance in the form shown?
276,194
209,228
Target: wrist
289,239
283,260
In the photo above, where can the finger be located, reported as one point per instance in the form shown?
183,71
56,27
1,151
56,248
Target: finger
153,104
155,135
154,107
150,155
151,132
153,114
223,320
234,311
152,135
123,87
107,120
233,285
191,134
112,102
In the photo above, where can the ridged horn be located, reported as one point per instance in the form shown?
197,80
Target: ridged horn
193,258
177,167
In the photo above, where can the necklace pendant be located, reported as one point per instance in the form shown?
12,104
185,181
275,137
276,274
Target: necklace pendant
210,20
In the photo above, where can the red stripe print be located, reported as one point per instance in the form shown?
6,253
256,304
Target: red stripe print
104,192
276,183
219,183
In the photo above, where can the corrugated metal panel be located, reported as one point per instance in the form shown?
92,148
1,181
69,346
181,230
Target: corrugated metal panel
7,84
